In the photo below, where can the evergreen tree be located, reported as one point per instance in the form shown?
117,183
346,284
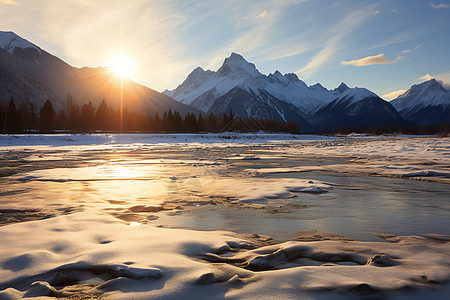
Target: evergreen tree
200,124
102,116
46,117
87,116
13,119
61,121
32,117
74,119
177,122
2,118
156,123
187,123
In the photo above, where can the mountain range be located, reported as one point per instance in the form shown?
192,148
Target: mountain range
238,86
31,75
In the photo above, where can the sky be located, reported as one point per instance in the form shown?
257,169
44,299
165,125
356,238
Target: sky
385,46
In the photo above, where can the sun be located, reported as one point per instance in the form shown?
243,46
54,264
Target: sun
121,65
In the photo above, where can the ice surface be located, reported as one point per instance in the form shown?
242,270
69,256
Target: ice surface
44,141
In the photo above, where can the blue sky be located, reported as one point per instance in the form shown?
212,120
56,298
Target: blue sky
385,46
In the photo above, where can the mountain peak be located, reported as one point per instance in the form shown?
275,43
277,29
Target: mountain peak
237,63
342,88
198,69
236,55
416,104
9,41
291,77
425,87
317,87
432,83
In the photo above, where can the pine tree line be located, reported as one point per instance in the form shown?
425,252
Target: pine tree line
88,118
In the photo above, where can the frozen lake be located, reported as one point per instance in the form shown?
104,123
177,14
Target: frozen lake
356,207
247,188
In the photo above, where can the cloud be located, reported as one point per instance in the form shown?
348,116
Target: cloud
376,12
334,43
411,50
379,59
426,77
280,51
440,5
255,31
444,78
263,14
8,2
392,95
319,59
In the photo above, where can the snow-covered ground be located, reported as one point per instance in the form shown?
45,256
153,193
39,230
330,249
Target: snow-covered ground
105,193
86,255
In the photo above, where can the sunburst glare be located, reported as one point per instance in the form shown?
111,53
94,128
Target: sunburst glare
121,65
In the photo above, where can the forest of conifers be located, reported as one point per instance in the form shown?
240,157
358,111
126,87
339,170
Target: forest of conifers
88,118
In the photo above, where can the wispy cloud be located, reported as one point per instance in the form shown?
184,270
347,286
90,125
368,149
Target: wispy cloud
379,59
392,95
439,5
411,50
263,14
319,59
280,52
8,2
339,32
404,36
376,12
256,31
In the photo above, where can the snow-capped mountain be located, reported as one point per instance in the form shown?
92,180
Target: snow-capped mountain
347,111
425,103
356,107
238,86
30,75
201,87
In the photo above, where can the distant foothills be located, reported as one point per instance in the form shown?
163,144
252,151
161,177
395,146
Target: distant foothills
41,93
